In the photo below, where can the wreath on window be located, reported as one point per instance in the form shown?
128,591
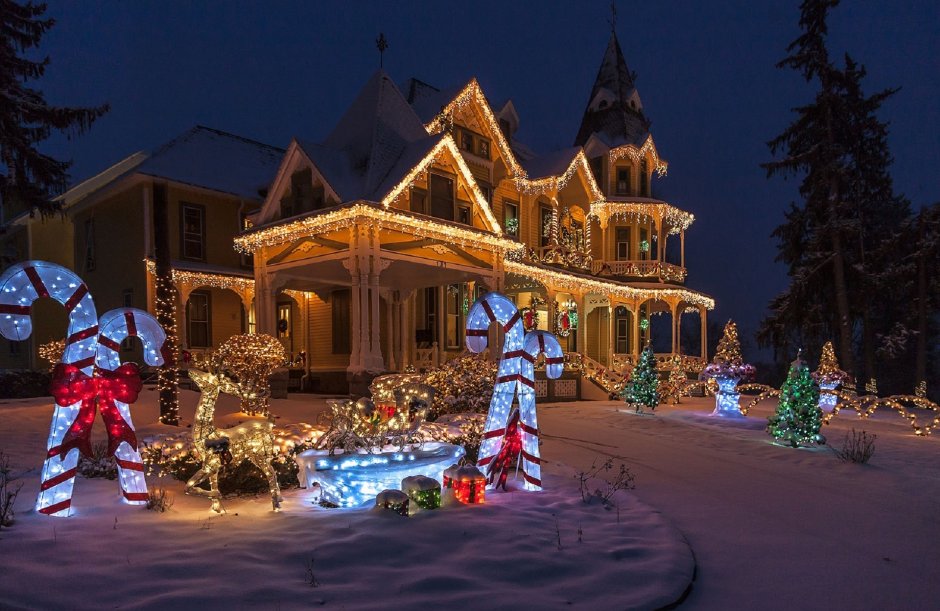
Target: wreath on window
563,324
530,318
282,325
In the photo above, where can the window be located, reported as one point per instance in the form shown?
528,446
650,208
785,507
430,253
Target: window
623,333
483,148
487,192
90,245
455,295
644,244
545,226
623,243
623,181
511,218
426,317
578,229
283,321
339,306
197,320
644,178
419,201
127,298
246,260
193,230
463,213
442,196
15,347
466,141
127,344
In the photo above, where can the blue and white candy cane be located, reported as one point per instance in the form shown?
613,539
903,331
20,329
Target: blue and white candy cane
490,308
20,286
114,327
535,343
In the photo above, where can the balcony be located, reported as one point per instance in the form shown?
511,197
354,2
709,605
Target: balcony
658,270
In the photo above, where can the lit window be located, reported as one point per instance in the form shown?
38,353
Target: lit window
193,232
197,320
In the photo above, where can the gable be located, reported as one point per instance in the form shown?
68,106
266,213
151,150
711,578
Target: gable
296,170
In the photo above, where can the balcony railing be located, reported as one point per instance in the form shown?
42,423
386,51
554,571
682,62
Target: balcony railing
640,269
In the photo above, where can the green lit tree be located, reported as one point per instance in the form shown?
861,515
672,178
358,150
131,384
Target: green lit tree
643,388
798,415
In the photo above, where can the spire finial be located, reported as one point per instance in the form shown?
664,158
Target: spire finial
613,17
381,44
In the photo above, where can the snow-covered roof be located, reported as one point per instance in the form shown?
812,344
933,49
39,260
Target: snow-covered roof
554,163
203,157
216,160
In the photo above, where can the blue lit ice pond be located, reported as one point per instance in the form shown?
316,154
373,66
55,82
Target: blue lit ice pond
349,480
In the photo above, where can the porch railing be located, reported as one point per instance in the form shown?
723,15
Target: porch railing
641,269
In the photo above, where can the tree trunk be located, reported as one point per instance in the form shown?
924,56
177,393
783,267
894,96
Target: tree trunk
165,307
844,322
920,363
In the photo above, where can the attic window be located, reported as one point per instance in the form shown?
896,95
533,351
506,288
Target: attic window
504,127
466,141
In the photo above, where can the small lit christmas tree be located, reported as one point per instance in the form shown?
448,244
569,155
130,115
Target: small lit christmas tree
643,389
829,376
675,383
727,369
798,415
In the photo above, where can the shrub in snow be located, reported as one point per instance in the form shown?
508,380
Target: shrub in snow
173,455
23,383
9,489
464,384
158,499
99,464
857,447
601,482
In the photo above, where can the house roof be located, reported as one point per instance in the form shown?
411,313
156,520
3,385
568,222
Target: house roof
216,160
554,163
613,111
203,157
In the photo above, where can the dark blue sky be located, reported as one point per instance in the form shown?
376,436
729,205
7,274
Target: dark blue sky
272,70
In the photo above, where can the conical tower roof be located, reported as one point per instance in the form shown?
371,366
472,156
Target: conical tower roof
614,111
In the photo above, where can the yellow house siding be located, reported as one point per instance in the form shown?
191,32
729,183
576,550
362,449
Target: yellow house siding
222,222
320,355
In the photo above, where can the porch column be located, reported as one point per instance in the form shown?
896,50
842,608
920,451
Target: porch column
675,328
355,322
581,331
682,248
660,241
635,343
703,315
264,306
441,323
376,363
550,297
390,306
611,333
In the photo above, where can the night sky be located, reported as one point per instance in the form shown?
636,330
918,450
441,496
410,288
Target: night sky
706,76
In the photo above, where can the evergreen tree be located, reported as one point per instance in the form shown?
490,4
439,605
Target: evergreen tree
643,388
849,210
28,178
798,416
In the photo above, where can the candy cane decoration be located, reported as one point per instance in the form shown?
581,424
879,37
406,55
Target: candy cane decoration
115,326
20,286
516,373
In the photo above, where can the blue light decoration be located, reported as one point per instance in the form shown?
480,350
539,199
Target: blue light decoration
349,480
515,377
827,400
727,398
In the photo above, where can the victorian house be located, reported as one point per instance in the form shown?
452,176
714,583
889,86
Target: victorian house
421,199
363,252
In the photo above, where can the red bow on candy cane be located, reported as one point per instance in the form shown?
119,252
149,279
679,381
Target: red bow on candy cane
70,385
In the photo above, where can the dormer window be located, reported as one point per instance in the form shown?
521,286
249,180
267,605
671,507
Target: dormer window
623,181
466,141
483,148
504,127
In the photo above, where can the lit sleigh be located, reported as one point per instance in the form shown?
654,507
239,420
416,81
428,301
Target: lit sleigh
371,447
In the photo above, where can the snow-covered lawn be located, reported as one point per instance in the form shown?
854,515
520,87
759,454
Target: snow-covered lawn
769,527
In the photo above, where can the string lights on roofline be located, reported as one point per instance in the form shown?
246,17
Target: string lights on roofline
369,214
677,220
567,281
635,154
239,284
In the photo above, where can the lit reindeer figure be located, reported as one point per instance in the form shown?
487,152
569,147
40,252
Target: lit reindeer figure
253,441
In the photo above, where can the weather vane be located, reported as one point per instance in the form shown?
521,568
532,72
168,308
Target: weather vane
381,44
613,17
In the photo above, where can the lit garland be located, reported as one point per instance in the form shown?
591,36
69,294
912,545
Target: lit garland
446,143
865,406
364,213
623,292
677,220
635,154
240,284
